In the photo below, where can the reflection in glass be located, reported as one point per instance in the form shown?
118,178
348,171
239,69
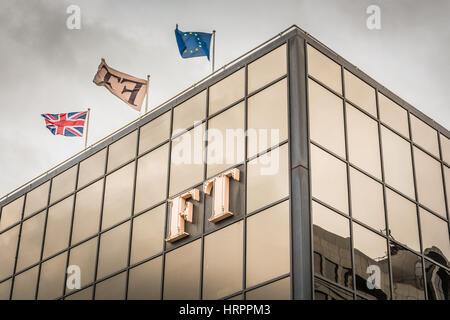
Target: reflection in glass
8,247
5,289
145,281
447,184
424,135
435,239
371,262
278,290
189,112
445,147
11,213
267,68
407,274
92,168
85,256
227,91
324,69
25,285
268,244
182,273
154,132
112,288
37,199
63,184
85,294
393,115
122,151
51,280
326,291
360,93
31,241
438,282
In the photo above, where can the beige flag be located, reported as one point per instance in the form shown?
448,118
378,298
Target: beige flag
127,88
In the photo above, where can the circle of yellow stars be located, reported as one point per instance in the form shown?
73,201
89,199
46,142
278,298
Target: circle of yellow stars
198,39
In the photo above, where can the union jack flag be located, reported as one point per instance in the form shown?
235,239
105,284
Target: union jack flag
67,124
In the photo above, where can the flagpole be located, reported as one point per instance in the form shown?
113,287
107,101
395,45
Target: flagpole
214,49
87,128
146,98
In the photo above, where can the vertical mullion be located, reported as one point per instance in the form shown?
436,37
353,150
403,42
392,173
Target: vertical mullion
291,234
244,226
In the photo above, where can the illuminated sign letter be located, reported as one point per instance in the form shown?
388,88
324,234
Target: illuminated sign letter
181,211
221,183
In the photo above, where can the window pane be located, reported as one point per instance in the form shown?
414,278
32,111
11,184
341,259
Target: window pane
268,178
92,168
145,281
189,112
122,151
267,118
363,144
11,213
87,212
424,135
402,216
407,275
58,227
435,237
430,190
278,290
25,285
226,140
37,199
367,200
113,250
222,270
332,256
397,162
329,179
148,234
445,146
154,132
118,196
360,93
326,118
438,282
182,274
8,247
447,184
371,258
151,171
393,115
324,69
268,244
226,91
267,68
85,256
51,280
325,291
63,184
186,166
85,294
112,289
31,241
5,289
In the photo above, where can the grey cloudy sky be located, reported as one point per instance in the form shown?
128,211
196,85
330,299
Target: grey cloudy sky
46,68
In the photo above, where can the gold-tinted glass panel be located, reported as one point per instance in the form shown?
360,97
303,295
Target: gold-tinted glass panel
329,179
148,234
437,278
268,178
360,93
326,291
11,213
145,281
85,256
92,168
112,289
31,241
118,196
51,280
182,272
363,143
154,132
85,294
63,184
8,247
278,290
267,118
268,244
447,184
113,250
223,255
393,115
189,112
326,118
226,91
25,285
267,68
397,162
87,212
5,289
151,172
445,147
324,69
37,199
424,135
122,151
226,140
367,200
370,257
430,189
407,275
435,238
58,227
402,217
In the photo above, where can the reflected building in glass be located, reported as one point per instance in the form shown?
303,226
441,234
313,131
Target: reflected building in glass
289,174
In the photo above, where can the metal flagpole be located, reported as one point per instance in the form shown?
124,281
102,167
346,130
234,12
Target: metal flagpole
87,128
214,49
146,98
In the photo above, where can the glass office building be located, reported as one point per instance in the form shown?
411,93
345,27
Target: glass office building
331,187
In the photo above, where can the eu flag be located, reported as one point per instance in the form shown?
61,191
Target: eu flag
193,44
